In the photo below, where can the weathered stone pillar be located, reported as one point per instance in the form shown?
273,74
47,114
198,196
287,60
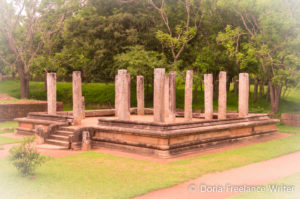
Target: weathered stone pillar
140,95
172,95
167,94
116,95
129,86
123,105
86,141
51,93
159,88
0,77
77,98
222,102
243,94
188,96
208,96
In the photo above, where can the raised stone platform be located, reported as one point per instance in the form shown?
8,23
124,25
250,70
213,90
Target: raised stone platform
141,135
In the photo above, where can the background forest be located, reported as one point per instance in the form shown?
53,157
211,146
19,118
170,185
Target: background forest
261,37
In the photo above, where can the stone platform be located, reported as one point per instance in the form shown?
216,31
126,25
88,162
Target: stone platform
169,139
143,136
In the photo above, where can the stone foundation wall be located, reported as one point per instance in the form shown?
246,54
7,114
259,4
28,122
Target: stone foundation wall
291,119
10,111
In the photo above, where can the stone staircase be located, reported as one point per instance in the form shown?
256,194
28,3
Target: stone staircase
61,137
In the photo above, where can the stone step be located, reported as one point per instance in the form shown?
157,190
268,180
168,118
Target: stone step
59,137
68,128
63,133
57,142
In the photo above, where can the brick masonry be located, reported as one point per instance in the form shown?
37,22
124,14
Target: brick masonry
10,111
291,119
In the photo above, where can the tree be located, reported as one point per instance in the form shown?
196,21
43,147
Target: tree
25,26
272,29
183,32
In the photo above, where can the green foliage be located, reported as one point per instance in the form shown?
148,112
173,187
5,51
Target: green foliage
25,157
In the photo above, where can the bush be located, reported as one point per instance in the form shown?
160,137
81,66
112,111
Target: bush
25,157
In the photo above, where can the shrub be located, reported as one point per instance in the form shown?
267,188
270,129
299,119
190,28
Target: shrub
25,157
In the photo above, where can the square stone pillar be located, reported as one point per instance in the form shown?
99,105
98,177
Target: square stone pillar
0,77
188,96
51,93
116,95
243,94
167,98
172,95
123,90
222,102
159,89
129,90
140,95
208,96
77,98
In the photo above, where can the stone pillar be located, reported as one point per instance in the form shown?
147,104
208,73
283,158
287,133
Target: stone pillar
188,96
77,98
167,98
208,96
123,105
243,94
116,95
86,141
140,95
51,93
0,77
159,88
222,102
129,86
172,95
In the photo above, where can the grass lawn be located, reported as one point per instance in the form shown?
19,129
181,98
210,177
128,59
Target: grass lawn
95,175
9,124
7,140
292,180
99,95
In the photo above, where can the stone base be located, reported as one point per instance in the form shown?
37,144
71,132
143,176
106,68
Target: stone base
167,140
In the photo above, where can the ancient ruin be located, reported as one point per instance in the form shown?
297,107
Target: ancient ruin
161,131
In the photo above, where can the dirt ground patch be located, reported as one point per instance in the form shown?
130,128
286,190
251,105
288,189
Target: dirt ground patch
6,97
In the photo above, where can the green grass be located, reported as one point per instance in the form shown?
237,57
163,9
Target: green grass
8,124
98,95
96,175
7,140
292,180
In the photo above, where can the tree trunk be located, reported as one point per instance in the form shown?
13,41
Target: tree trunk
236,87
195,97
268,94
275,93
45,83
261,89
24,82
255,90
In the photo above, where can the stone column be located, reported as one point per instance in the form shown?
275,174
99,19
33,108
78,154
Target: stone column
222,102
243,94
116,95
129,86
167,98
188,96
140,95
77,97
83,107
208,96
0,77
172,95
51,93
159,88
123,108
